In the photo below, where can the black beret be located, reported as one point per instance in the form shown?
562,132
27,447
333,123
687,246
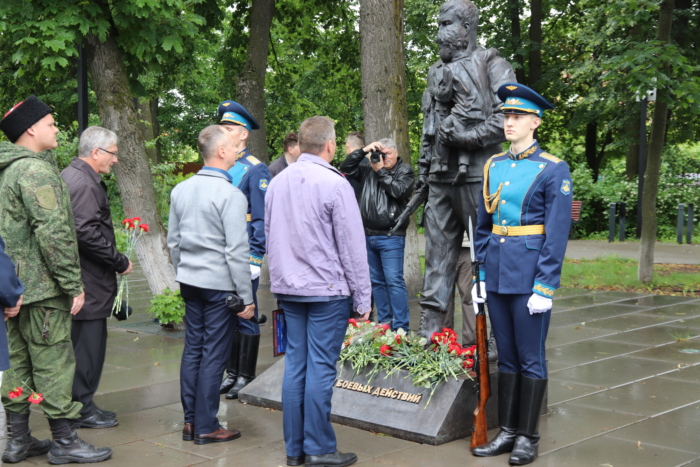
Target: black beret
22,116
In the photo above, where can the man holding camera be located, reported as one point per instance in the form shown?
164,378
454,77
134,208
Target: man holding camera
208,244
387,184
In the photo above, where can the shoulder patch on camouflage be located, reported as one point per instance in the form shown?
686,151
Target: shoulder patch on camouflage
46,198
550,157
253,160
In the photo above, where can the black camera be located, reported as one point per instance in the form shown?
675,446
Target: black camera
376,156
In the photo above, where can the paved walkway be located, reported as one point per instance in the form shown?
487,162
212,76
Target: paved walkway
624,391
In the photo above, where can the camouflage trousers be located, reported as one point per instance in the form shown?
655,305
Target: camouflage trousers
42,359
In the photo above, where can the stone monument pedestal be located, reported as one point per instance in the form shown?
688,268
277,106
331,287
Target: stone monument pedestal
390,405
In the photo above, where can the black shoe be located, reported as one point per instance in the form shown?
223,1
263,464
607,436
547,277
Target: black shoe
96,420
527,443
248,361
508,413
336,459
296,460
107,413
21,444
74,449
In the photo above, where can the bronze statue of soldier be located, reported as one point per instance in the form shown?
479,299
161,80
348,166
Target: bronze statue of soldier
462,128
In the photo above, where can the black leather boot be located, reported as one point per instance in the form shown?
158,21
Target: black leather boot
232,369
527,442
246,364
67,447
508,412
430,322
21,444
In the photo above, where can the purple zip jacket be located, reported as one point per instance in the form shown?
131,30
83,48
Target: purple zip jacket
315,239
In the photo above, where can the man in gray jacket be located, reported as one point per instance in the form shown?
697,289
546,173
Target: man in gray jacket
208,245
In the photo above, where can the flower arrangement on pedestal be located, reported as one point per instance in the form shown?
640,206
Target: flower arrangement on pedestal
134,228
371,347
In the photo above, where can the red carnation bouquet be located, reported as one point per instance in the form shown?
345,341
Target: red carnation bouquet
371,347
133,228
34,397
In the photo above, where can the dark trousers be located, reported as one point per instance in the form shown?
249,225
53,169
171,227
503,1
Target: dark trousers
209,326
315,333
385,258
246,326
89,345
520,336
447,216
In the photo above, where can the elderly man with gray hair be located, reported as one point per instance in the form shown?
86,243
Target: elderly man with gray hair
387,184
100,262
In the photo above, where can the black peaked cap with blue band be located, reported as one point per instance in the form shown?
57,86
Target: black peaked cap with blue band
233,113
519,99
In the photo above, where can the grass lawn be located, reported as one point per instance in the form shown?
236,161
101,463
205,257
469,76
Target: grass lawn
615,273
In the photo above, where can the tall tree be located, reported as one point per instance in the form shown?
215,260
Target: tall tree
656,145
384,97
123,39
535,44
250,83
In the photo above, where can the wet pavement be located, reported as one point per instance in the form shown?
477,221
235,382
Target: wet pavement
624,391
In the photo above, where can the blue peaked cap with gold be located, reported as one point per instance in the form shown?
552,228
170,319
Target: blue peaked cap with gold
519,99
233,113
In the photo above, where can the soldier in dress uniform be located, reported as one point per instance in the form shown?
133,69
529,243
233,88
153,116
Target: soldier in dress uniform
251,177
521,235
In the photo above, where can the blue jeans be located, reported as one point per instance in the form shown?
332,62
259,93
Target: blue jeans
315,332
385,257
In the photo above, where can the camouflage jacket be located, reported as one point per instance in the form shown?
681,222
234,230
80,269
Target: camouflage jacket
36,222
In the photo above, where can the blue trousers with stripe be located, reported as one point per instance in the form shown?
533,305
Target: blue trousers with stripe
520,336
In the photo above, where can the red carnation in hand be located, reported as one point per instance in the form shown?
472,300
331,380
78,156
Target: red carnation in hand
353,321
468,363
126,221
131,226
15,394
385,350
144,227
36,397
135,219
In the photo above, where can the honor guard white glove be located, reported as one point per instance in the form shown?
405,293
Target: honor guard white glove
482,287
539,304
254,272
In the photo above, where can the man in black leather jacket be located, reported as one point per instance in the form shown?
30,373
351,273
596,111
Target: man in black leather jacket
387,184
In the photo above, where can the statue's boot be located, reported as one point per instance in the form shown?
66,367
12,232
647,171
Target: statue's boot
248,361
21,444
492,349
527,442
508,413
430,322
232,368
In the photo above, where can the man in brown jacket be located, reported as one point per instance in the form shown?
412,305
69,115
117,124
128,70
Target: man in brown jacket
99,261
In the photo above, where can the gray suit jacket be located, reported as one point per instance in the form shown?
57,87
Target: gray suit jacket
207,234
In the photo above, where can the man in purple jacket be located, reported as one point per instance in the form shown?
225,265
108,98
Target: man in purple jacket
318,263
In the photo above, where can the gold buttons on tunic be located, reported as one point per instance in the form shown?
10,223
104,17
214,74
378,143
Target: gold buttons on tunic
503,240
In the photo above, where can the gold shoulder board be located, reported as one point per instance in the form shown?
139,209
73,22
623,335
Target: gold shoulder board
550,157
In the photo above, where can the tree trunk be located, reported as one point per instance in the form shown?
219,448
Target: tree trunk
384,98
632,133
535,43
645,273
146,119
591,149
118,113
514,12
250,84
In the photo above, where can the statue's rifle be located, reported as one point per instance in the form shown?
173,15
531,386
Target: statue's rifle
418,198
479,433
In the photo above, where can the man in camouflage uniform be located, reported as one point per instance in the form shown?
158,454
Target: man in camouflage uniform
37,225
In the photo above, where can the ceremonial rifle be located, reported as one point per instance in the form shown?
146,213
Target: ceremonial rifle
420,197
479,431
